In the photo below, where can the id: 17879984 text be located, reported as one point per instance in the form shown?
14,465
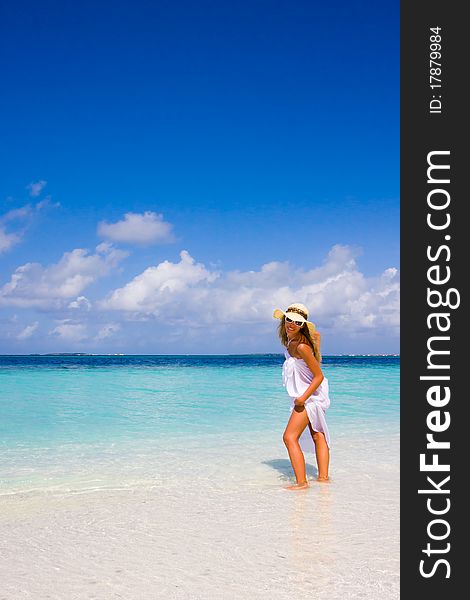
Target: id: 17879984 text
435,69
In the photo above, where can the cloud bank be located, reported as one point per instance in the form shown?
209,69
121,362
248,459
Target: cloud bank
52,287
187,306
337,293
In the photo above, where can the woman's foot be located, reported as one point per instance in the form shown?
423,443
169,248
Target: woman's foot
297,486
323,479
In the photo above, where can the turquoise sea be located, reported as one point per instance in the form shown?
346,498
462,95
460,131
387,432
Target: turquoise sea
57,407
164,477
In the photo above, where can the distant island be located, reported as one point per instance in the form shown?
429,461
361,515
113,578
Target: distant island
62,354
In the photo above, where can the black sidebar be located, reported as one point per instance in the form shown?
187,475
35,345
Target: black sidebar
435,237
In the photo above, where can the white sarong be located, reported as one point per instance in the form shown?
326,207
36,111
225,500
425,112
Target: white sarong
296,377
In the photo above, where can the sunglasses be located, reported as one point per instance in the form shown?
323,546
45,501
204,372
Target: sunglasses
298,323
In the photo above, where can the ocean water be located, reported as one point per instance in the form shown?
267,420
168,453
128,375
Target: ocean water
67,411
163,477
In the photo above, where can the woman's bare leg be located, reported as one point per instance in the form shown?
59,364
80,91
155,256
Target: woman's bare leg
297,423
322,452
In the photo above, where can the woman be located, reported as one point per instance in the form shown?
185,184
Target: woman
303,378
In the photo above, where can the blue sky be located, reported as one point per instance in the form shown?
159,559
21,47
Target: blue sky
260,139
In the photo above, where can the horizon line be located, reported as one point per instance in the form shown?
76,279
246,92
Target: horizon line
77,354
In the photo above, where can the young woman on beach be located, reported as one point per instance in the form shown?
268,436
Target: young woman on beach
308,389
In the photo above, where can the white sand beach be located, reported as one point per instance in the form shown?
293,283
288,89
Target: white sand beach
211,523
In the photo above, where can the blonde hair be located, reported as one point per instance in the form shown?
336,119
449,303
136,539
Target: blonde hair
304,337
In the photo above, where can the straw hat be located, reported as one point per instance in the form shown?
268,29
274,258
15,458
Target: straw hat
297,312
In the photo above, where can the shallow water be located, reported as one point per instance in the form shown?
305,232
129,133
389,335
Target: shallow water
162,477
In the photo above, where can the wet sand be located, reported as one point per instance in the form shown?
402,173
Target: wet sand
217,524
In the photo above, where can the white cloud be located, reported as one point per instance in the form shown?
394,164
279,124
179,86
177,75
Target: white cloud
163,286
339,296
54,286
28,331
35,188
47,203
107,331
8,240
69,331
17,216
19,219
80,302
135,228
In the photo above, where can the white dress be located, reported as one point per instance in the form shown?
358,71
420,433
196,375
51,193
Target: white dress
296,377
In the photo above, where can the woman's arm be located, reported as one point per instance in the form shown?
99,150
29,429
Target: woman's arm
306,353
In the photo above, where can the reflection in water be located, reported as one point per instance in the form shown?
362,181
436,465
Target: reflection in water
312,539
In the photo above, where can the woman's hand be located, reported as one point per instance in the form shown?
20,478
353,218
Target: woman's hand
298,405
299,401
